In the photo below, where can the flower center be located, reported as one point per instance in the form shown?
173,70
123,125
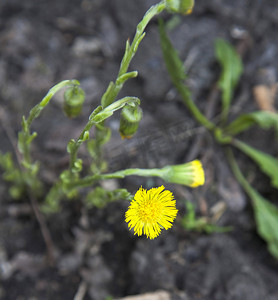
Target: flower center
150,211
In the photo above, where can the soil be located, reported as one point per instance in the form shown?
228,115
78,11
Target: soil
44,42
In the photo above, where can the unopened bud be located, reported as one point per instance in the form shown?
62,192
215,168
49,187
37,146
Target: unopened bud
129,122
191,174
184,7
73,101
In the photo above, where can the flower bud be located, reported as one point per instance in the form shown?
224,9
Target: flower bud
74,98
129,122
184,7
190,174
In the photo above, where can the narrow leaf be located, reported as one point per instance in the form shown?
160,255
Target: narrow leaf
95,112
267,163
177,74
107,98
266,214
232,68
100,117
264,119
122,79
173,63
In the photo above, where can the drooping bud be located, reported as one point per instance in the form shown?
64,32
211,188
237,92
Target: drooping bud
74,98
184,7
130,118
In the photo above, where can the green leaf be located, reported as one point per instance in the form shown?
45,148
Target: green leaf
191,223
266,214
100,117
267,163
122,79
264,119
132,101
24,125
106,98
95,112
30,138
173,63
232,68
177,74
86,135
99,114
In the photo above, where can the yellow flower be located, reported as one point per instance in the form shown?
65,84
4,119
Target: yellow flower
150,211
191,174
198,173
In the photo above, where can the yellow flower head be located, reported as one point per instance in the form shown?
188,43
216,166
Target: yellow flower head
191,174
150,211
198,173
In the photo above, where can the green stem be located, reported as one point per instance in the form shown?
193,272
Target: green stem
241,146
239,176
25,136
114,88
78,143
89,180
35,111
186,96
177,74
138,172
153,11
106,112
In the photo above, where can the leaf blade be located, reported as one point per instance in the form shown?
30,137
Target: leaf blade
232,68
264,119
173,62
267,163
266,214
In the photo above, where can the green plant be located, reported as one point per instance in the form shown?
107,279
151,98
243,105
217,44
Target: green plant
25,177
202,224
225,133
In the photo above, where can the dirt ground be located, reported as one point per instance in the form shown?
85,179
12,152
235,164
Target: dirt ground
44,42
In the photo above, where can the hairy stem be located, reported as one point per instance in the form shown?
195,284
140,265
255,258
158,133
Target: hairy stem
89,180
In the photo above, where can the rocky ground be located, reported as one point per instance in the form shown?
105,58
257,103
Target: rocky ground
44,42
